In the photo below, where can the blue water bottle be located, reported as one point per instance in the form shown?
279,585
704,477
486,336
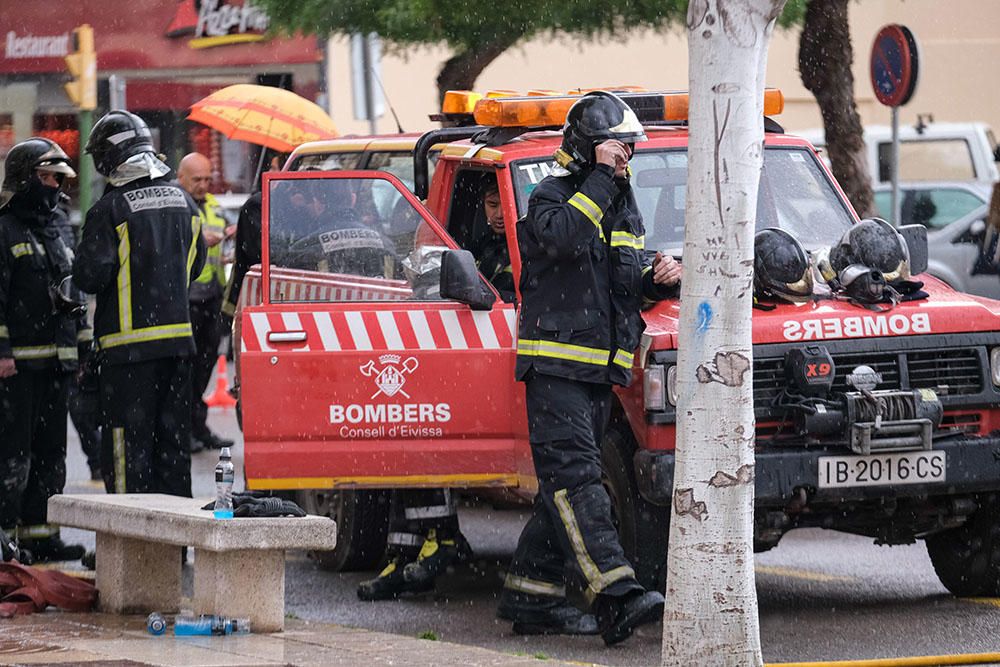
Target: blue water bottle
207,625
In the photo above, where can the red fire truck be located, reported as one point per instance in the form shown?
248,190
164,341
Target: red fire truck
399,373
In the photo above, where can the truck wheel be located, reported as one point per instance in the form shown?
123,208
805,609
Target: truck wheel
967,558
362,525
642,527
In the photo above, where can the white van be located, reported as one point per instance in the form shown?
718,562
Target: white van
928,152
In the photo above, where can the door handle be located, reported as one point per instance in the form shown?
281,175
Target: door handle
286,336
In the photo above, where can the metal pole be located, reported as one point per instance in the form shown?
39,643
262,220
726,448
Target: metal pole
116,90
86,175
895,168
366,63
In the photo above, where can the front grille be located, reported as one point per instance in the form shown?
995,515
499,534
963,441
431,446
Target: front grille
965,422
949,372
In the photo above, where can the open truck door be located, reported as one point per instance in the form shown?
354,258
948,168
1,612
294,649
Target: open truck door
355,372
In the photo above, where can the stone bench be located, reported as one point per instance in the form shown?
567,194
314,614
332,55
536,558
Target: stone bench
239,564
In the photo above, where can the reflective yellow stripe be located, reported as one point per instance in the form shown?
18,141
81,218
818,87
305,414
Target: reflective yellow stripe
4,332
67,353
548,348
646,269
472,480
533,586
147,334
85,335
35,352
628,240
624,358
193,250
124,279
118,455
586,205
40,530
213,258
596,580
20,249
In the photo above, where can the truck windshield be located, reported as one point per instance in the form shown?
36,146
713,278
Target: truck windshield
794,195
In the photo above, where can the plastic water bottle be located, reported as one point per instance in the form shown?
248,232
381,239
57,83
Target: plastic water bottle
224,473
210,625
156,624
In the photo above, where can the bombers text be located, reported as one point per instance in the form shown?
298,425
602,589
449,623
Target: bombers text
392,413
864,326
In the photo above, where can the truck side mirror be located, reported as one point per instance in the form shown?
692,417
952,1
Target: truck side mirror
460,280
916,240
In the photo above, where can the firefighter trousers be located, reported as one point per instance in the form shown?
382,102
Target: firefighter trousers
86,420
413,513
32,449
146,434
570,522
206,325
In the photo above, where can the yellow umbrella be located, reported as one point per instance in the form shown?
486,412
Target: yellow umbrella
263,115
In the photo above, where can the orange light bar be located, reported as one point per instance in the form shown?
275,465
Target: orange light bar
543,92
551,111
675,105
523,111
612,89
501,92
459,101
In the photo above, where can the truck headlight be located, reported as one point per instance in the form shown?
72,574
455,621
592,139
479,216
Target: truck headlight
672,385
654,387
995,365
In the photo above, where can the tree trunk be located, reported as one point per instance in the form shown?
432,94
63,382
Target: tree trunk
825,57
711,612
461,70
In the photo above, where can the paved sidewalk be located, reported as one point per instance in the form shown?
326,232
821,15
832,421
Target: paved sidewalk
57,638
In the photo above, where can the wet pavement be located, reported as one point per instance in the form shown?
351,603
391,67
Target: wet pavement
56,638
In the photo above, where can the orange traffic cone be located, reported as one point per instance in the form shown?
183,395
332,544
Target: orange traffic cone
221,397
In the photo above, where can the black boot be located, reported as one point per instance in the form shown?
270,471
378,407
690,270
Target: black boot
390,584
436,555
52,549
621,616
562,620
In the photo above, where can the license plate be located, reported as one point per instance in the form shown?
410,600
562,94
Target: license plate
881,469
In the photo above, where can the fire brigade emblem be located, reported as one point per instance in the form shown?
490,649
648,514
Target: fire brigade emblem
391,377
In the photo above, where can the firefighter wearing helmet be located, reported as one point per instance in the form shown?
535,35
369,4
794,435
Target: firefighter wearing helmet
141,248
42,335
584,276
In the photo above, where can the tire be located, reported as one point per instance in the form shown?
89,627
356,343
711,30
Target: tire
362,526
643,528
967,558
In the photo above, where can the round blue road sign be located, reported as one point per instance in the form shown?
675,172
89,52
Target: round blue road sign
894,65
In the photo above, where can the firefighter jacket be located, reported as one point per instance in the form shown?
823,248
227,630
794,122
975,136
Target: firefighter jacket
33,259
248,251
212,280
584,275
493,260
141,248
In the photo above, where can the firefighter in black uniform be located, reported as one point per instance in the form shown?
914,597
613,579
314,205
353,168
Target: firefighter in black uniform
141,249
491,253
40,331
584,276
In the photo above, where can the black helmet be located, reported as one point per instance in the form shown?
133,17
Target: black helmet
116,137
594,118
27,156
781,267
873,243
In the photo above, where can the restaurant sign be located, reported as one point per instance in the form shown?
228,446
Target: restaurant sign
218,22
